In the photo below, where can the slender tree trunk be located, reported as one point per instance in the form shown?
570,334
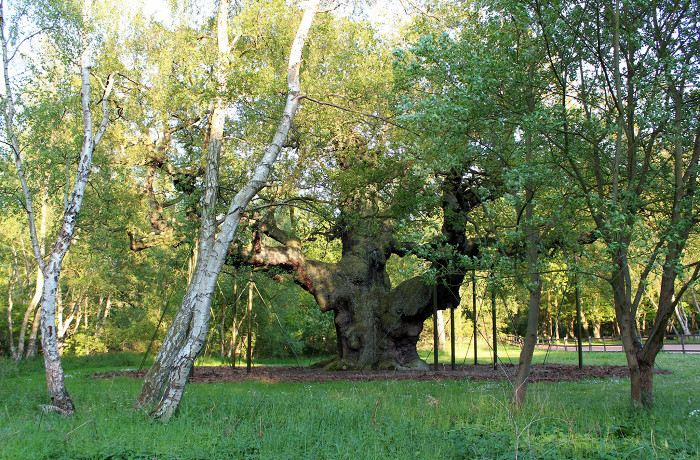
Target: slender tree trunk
682,318
233,323
441,330
695,299
10,289
52,268
100,303
32,341
29,313
63,328
625,313
79,318
108,308
586,325
557,335
222,332
55,379
86,311
33,308
59,312
535,282
158,375
179,357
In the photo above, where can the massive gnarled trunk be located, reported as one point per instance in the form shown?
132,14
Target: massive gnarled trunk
377,326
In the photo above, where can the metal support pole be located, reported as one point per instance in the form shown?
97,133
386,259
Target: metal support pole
474,311
495,338
234,332
452,336
578,320
435,330
250,324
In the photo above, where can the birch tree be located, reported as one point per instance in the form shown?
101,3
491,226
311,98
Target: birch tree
51,265
165,381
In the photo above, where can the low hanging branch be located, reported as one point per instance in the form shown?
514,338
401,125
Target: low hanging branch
356,112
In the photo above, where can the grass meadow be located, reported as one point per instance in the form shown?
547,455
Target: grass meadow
333,420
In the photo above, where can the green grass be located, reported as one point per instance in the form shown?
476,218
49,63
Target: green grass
508,354
403,420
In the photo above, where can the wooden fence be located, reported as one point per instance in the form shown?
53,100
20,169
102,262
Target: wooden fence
672,343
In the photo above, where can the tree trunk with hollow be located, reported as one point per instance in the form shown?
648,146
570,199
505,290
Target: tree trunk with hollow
377,325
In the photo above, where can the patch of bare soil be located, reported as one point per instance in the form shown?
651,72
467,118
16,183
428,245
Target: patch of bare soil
274,374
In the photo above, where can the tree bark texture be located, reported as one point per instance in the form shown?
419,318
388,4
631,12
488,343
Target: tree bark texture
166,380
534,283
32,312
632,170
10,305
51,268
377,325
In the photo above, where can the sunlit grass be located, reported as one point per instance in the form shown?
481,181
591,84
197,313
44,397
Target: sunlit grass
509,354
385,419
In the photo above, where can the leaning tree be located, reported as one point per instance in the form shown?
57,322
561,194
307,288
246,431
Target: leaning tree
166,379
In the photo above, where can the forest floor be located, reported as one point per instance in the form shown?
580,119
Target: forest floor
275,374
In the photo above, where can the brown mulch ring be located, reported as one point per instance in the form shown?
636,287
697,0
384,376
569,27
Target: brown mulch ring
275,374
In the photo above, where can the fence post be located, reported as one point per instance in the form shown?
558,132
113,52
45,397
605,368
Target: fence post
249,355
435,330
578,320
683,343
495,331
452,337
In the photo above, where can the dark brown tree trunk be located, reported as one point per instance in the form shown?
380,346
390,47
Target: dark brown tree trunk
535,282
377,326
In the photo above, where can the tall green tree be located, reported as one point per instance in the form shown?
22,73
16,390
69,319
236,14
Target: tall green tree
51,266
475,98
627,82
166,379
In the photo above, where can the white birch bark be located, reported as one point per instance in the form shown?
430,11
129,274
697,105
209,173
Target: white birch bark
108,308
179,359
441,330
154,381
682,318
51,268
10,289
32,347
33,310
695,299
